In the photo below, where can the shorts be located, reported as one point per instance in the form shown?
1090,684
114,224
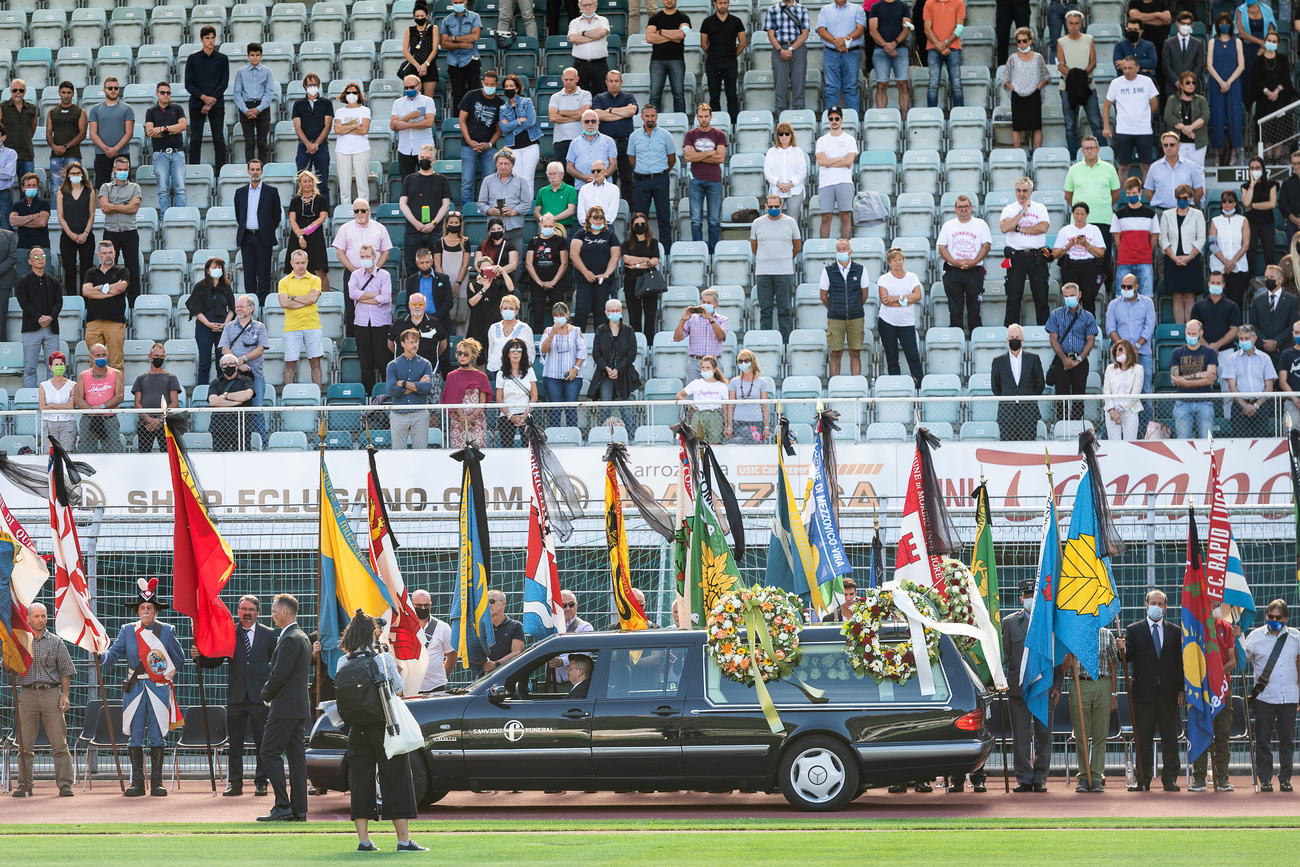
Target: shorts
295,341
884,64
839,331
1125,145
836,197
708,425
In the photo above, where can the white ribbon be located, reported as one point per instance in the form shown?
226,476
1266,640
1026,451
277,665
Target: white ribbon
916,624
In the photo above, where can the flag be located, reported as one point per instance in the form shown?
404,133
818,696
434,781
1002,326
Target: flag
686,456
791,561
1039,659
28,576
830,560
202,561
926,532
1225,578
1205,684
984,569
1293,445
15,652
713,569
543,609
630,613
721,498
74,616
876,568
347,581
1085,597
402,631
471,622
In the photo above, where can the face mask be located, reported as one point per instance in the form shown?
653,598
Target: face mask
101,362
1270,46
708,308
1275,626
1015,343
1296,338
591,133
497,234
1185,29
1256,174
1229,211
367,264
706,374
640,229
1025,49
1155,612
744,366
507,314
76,179
1133,35
229,370
313,91
157,362
1133,198
453,227
1121,358
489,90
547,231
589,16
216,273
842,257
1128,293
597,227
1183,203
1270,284
1028,604
1071,301
58,369
410,92
458,8
774,212
121,176
1216,289
425,165
31,194
511,93
1224,28
351,99
422,611
560,320
616,316
1245,345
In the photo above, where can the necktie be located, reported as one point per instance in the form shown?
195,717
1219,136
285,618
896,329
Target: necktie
248,643
1155,636
1272,302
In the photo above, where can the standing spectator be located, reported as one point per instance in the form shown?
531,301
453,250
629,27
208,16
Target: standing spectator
841,26
594,254
245,338
1132,317
547,262
76,206
558,199
1153,18
207,75
1272,312
254,87
308,213
371,289
1259,201
1024,76
1134,98
451,258
787,25
706,151
1058,13
1250,371
111,128
104,288
18,117
212,306
1080,248
844,287
1194,369
1009,12
1186,53
299,291
1096,183
41,300
706,329
836,154
1072,332
785,167
8,275
525,12
412,117
963,243
748,422
1090,713
614,356
65,130
1288,375
1276,674
257,218
506,195
1182,235
1289,198
516,388
352,142
409,380
592,145
706,394
349,239
231,431
565,111
1017,374
30,220
1137,231
1253,22
944,21
563,352
891,25
900,291
1227,67
508,327
723,40
1171,172
615,109
497,250
1140,51
42,703
286,694
589,35
480,111
520,131
1024,222
432,333
641,253
651,153
164,123
1122,382
775,242
1274,90
155,387
467,386
420,47
8,176
1220,317
1189,115
666,32
599,192
99,387
313,117
633,26
459,38
1077,51
424,202
1032,740
1154,647
1230,241
119,200
486,290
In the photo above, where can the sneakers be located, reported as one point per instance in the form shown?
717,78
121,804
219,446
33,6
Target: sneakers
411,846
1225,787
367,847
1196,787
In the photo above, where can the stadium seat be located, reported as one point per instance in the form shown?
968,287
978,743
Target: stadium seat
945,351
746,175
317,54
980,432
667,357
1005,166
73,64
809,312
733,263
1050,167
689,263
963,170
207,14
167,25
755,132
47,28
287,441
900,386
980,385
153,62
804,391
920,171
882,129
925,128
13,30
968,127
886,432
878,170
806,353
32,64
248,23
87,27
356,62
851,391
654,435
306,395
915,213
278,57
1069,431
941,385
288,23
168,272
603,435
564,437
151,318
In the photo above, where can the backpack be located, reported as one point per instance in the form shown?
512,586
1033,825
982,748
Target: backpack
356,689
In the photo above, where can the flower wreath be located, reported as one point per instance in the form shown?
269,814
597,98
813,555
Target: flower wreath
889,660
959,586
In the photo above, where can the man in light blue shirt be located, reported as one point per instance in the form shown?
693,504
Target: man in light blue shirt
459,35
1132,317
254,88
412,118
841,26
652,153
1168,174
592,145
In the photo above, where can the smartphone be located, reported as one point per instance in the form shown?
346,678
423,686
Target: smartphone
694,309
501,205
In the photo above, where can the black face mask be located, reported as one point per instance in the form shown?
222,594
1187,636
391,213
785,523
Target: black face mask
510,94
1015,344
157,362
230,370
1270,284
420,22
453,229
496,234
640,230
422,611
425,165
1133,35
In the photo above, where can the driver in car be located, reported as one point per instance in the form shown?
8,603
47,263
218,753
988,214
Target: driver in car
580,669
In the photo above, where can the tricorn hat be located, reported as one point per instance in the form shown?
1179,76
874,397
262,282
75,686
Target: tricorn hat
148,592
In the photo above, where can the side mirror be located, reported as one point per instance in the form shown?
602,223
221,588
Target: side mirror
497,694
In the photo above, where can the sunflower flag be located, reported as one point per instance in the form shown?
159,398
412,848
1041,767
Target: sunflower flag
1204,683
712,569
631,615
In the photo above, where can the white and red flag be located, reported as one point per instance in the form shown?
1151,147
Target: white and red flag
74,616
543,608
403,627
924,535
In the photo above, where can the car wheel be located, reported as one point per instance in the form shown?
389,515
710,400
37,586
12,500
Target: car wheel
425,794
819,775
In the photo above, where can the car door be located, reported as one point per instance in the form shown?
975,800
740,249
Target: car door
636,733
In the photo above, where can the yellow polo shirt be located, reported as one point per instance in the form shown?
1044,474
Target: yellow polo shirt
304,318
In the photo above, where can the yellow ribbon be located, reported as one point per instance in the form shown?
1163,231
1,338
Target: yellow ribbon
755,624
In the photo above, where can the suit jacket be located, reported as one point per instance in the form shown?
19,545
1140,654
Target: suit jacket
1193,231
1014,628
439,306
8,259
580,690
269,214
1154,679
248,674
1275,324
286,685
1176,61
1018,420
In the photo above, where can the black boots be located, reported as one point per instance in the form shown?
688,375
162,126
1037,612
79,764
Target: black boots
156,786
136,789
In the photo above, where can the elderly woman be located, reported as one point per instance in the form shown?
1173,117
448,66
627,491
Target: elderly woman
371,289
1121,386
1024,76
468,387
352,143
1182,235
786,169
506,195
212,306
593,252
1189,116
309,211
614,355
900,292
56,394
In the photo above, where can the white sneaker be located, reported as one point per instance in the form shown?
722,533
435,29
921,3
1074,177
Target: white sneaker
1196,787
1226,787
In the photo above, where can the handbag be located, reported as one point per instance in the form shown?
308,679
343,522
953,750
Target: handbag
651,283
407,737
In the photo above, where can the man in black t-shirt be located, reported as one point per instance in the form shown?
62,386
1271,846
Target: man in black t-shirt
230,430
1219,315
104,289
313,118
723,39
29,218
433,333
667,33
1288,374
508,634
425,200
480,128
164,124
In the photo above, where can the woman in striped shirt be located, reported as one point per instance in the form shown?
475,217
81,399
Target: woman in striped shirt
563,352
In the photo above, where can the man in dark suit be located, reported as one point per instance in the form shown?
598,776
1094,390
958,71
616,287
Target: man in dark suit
8,273
580,669
249,667
1033,740
1017,373
1182,53
1155,649
1273,313
257,216
286,691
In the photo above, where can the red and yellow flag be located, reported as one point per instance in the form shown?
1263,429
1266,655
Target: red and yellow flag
630,613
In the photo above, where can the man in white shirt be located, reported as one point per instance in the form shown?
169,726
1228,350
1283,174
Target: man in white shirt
836,154
412,118
565,111
963,243
600,191
589,35
572,623
1024,223
1277,695
1135,98
436,636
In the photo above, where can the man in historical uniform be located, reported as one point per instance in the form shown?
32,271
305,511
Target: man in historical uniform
149,708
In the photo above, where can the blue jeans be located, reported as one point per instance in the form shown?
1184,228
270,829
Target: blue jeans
470,164
1148,363
1056,23
1145,275
884,65
57,165
841,71
1072,121
169,172
259,418
953,62
319,161
6,205
675,71
1193,419
206,339
563,391
698,190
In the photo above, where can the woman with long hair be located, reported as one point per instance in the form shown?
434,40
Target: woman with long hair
352,143
640,254
467,386
707,394
420,47
786,169
491,284
76,206
451,258
309,212
211,305
516,388
747,423
1122,383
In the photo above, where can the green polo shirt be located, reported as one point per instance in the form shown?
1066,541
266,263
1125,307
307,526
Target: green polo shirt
554,201
1094,186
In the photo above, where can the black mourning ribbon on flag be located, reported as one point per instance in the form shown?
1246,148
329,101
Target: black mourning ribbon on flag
940,532
730,513
830,466
654,515
472,458
563,505
1114,545
36,481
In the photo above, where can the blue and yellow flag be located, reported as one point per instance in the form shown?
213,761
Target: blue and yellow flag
1085,593
791,560
471,624
347,581
831,561
1039,660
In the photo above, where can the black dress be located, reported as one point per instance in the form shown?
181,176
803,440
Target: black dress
421,46
308,211
1184,279
487,312
1268,75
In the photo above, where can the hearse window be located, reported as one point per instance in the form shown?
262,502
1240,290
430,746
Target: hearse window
825,667
541,680
653,673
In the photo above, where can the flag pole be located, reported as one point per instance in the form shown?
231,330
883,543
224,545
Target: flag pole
207,734
1128,693
320,573
1250,732
18,730
108,721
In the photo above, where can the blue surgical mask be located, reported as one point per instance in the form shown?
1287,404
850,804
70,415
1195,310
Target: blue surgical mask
708,308
410,92
1183,203
1072,301
508,315
842,256
1296,338
121,176
215,273
589,17
1224,28
31,194
547,231
367,264
1155,612
458,8
1192,341
597,227
101,362
774,212
1229,210
1128,293
1245,345
616,316
489,90
591,133
1133,198
560,320
1275,626
1270,46
1216,289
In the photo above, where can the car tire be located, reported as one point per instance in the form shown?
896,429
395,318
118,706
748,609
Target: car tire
425,794
819,775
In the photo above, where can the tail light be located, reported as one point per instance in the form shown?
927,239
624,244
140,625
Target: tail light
971,722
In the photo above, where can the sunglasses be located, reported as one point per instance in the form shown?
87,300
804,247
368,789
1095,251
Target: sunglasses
784,134
164,93
39,256
1274,617
360,210
18,90
106,90
516,351
1022,41
570,605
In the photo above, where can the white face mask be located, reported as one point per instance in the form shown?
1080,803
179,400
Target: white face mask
706,374
1029,604
1256,173
1121,358
351,98
313,91
1185,29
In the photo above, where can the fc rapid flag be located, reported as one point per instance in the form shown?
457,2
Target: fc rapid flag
471,622
630,613
543,608
1204,682
403,627
202,560
1225,578
74,617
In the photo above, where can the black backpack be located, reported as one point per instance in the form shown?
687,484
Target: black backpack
356,689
